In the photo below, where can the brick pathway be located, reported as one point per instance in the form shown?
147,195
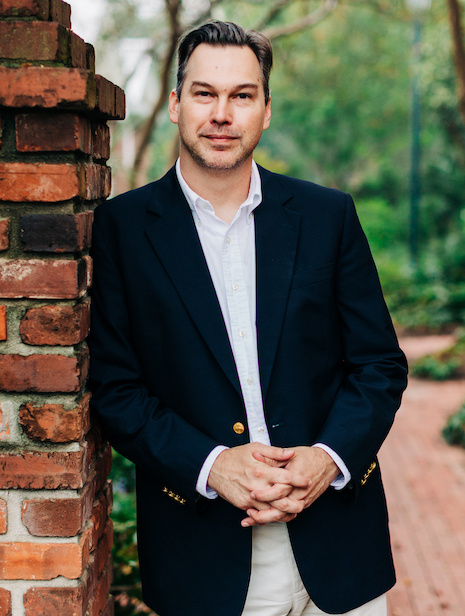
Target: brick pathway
425,486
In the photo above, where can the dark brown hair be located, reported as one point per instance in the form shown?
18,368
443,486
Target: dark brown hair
225,33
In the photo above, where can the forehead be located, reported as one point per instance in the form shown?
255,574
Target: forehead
223,66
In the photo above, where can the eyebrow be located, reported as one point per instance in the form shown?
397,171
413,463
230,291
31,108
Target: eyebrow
241,86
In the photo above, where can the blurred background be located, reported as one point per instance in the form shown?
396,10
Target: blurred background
368,96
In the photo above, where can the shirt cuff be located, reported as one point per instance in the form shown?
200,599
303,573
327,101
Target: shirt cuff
202,488
344,476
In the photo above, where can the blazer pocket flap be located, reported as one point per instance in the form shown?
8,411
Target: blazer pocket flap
313,275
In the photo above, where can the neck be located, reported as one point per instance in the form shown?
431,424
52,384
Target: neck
225,189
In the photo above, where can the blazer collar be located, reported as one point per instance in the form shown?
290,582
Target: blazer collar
172,234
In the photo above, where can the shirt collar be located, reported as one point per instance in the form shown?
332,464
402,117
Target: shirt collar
195,201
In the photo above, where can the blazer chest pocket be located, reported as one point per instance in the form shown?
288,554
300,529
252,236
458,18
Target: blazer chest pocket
312,275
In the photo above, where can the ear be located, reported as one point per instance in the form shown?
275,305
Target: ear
267,118
173,106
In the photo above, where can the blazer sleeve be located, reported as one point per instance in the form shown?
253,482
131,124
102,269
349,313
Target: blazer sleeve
136,424
375,367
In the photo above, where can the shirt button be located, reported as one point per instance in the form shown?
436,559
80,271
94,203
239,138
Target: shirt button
261,429
249,381
234,286
228,240
242,333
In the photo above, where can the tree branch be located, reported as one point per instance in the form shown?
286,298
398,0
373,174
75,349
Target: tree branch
173,8
455,18
302,23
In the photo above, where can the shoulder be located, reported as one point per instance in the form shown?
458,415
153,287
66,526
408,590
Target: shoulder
136,201
302,194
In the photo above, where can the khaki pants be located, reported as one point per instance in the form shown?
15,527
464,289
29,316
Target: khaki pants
276,588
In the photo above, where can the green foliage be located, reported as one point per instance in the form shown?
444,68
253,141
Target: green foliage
446,364
454,430
433,368
126,581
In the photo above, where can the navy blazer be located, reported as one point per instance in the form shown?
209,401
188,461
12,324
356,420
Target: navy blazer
166,390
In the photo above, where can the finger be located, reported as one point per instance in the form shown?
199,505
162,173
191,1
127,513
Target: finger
274,453
261,458
289,505
267,516
275,492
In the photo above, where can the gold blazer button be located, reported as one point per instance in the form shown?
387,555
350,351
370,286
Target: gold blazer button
238,427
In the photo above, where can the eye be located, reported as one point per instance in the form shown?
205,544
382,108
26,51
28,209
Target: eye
244,95
203,93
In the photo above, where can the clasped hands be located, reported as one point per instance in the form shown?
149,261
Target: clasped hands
269,483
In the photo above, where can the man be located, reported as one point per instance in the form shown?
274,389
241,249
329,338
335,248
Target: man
244,359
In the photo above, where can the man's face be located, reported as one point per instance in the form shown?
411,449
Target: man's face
222,111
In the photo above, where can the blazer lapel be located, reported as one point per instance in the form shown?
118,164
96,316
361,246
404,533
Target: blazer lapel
276,236
172,234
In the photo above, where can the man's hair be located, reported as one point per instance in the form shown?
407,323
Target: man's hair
225,33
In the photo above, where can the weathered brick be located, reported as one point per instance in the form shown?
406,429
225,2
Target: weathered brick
40,470
52,132
54,602
74,601
51,422
97,181
42,373
53,517
1,132
37,41
3,327
90,55
38,182
36,279
47,87
25,8
101,604
5,602
5,410
42,561
4,233
3,522
56,232
120,110
60,11
56,325
101,141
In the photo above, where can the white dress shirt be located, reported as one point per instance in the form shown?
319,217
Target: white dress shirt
229,251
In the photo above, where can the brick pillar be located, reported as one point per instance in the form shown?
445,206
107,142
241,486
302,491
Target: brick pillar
55,533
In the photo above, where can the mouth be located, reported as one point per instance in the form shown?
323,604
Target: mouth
220,138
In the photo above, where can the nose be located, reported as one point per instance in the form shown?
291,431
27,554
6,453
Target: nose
221,111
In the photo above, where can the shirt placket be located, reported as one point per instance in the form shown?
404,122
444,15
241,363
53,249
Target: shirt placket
243,335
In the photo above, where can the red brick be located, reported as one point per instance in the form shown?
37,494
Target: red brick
42,561
56,233
120,109
37,41
42,373
38,279
60,11
3,522
38,182
101,142
1,132
78,52
97,181
54,602
4,233
53,517
56,325
90,55
25,8
38,470
3,327
101,602
5,602
5,409
47,87
52,423
57,132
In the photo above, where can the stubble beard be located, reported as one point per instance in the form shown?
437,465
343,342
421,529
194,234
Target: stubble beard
198,156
